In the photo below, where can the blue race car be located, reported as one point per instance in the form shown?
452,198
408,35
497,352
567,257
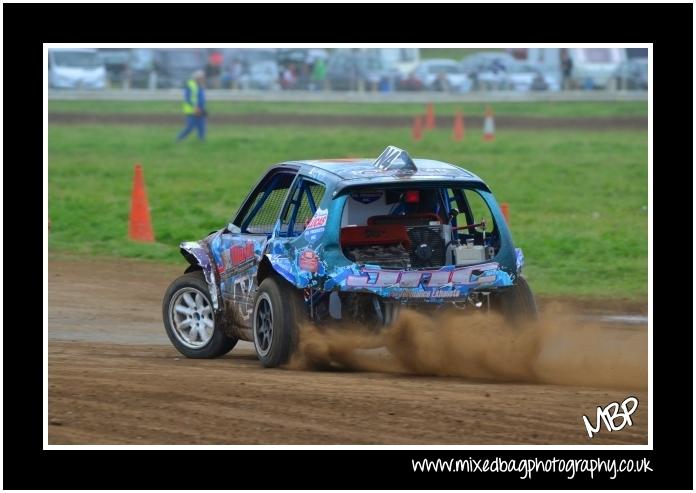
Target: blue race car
345,239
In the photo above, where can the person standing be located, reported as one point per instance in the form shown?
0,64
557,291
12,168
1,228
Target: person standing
319,74
566,70
213,70
194,106
289,77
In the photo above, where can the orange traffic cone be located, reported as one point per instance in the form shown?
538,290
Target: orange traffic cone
417,130
140,225
505,208
458,131
488,125
429,117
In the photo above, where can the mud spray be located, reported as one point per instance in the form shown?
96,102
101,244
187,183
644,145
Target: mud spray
557,349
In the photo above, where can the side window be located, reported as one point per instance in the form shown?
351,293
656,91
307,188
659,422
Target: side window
306,197
479,209
264,208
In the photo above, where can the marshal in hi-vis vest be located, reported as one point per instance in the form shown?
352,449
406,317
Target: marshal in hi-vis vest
190,109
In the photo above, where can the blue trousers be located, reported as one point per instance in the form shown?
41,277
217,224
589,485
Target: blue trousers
193,121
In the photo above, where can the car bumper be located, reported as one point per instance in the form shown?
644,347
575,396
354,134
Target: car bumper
422,286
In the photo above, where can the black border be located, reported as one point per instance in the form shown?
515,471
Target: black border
26,26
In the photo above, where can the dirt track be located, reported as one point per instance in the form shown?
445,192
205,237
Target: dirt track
114,378
382,121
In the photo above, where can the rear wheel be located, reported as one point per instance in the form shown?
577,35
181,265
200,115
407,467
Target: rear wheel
277,311
191,323
517,303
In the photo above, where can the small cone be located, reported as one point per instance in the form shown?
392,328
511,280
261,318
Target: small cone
140,225
488,125
458,130
429,117
417,130
505,208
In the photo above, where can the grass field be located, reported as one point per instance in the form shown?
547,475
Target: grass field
548,109
577,199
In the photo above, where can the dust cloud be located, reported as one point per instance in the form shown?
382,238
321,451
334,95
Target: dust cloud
557,349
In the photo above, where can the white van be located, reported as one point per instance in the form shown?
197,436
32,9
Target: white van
72,68
592,67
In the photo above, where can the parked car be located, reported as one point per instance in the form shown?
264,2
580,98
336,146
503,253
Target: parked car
488,70
350,70
527,77
260,75
631,75
142,68
250,67
402,60
117,63
485,59
75,68
330,240
175,66
442,74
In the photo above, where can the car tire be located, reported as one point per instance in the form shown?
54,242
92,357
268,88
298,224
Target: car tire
192,325
518,304
278,309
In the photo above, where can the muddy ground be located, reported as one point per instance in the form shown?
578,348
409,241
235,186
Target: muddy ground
383,121
114,378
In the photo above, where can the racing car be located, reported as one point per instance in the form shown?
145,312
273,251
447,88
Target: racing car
345,239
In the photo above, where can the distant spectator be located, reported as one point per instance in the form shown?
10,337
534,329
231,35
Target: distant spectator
386,84
319,74
304,75
442,83
289,77
194,106
566,69
410,83
373,80
213,69
236,72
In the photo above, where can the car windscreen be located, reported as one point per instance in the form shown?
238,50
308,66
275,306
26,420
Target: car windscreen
77,59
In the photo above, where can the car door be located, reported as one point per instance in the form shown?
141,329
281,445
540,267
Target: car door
238,249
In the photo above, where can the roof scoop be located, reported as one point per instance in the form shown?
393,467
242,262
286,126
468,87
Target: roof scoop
393,158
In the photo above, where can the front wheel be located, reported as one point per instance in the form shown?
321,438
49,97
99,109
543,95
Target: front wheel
190,321
277,310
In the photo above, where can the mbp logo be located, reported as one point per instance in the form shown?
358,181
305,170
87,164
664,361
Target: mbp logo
610,414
